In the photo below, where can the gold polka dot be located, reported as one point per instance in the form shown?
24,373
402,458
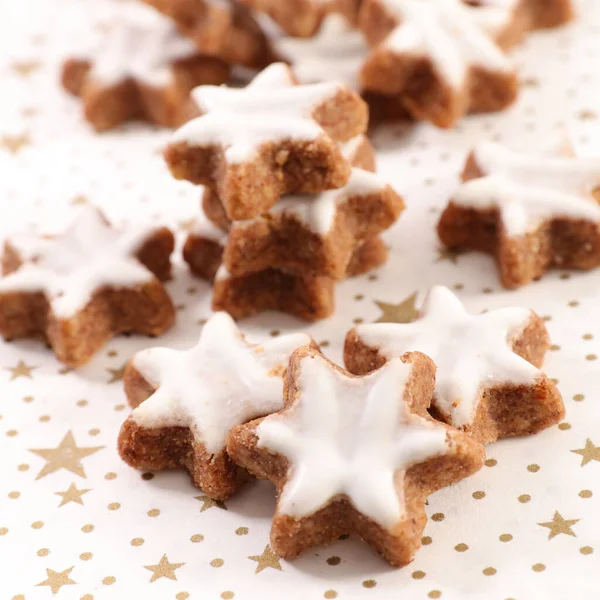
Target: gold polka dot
585,494
587,336
458,286
110,476
359,297
334,560
461,547
438,517
23,467
14,495
573,303
153,512
119,407
12,433
358,320
330,594
94,431
564,426
82,403
418,574
505,537
147,476
112,353
87,528
137,541
590,357
227,595
489,571
555,347
109,580
217,562
86,555
369,583
524,498
372,277
547,318
197,537
538,567
37,524
87,597
491,462
182,596
241,531
3,530
533,468
18,597
478,495
114,506
426,540
434,594
324,344
274,332
578,397
43,552
28,399
586,550
44,418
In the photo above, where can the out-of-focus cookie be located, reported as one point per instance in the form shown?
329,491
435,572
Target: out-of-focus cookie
354,455
142,68
186,401
79,289
532,212
487,383
271,138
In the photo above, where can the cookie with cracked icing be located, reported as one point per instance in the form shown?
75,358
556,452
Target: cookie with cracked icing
79,289
358,152
445,58
531,212
255,144
488,383
354,454
186,401
222,28
142,68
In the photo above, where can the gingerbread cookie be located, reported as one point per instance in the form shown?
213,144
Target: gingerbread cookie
354,455
220,28
141,69
437,58
531,212
358,152
255,144
79,289
314,235
487,383
186,401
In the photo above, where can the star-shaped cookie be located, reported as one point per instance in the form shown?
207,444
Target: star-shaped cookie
354,455
532,212
140,68
79,289
253,145
487,383
186,401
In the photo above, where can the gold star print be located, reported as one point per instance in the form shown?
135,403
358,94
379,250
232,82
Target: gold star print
448,254
71,495
15,143
404,312
164,569
559,525
26,67
57,579
67,455
116,374
209,503
21,370
267,559
589,452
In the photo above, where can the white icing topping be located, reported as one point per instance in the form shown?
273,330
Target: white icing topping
205,229
451,34
353,436
472,352
528,190
140,44
221,382
335,53
241,120
222,273
71,267
317,211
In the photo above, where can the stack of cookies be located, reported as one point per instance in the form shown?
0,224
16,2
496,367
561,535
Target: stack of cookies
291,198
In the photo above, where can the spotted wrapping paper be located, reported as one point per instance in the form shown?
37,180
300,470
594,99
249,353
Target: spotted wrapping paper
75,522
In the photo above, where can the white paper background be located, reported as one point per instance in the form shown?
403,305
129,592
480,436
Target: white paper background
123,172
